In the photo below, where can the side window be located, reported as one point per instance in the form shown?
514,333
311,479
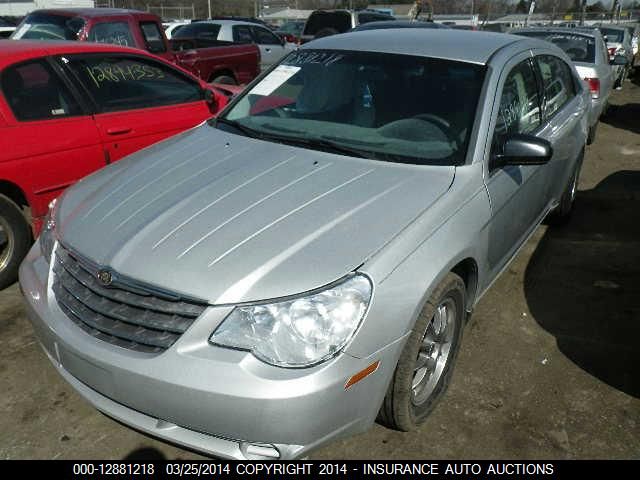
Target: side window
519,103
558,82
242,34
152,37
117,33
124,83
265,37
35,92
209,31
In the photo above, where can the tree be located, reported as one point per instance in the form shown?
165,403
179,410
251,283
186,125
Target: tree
597,7
522,7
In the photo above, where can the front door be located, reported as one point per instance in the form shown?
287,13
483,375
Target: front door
139,101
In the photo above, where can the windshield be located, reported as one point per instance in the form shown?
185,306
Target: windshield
579,48
45,26
613,35
381,106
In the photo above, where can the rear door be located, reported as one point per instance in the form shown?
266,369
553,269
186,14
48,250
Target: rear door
564,107
270,45
52,140
244,34
139,101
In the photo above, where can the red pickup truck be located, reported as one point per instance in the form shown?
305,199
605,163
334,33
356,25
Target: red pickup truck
212,61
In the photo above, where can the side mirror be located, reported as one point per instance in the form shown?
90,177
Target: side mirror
619,60
211,100
519,149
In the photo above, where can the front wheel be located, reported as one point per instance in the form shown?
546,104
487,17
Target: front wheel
15,240
426,364
224,80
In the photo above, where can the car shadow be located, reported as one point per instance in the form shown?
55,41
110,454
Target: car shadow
148,454
623,116
582,284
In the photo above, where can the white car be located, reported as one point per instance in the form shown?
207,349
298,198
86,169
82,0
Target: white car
272,47
171,28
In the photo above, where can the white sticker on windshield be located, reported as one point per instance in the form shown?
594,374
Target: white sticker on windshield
277,77
22,30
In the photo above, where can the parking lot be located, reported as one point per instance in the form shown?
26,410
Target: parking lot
549,366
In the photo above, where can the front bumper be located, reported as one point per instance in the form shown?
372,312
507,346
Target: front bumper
221,402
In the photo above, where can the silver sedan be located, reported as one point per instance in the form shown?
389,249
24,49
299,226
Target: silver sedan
304,264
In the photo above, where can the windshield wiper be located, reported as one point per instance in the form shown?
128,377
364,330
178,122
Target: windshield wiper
316,143
334,147
249,132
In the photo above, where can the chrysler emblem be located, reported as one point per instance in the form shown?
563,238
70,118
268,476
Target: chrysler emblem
105,277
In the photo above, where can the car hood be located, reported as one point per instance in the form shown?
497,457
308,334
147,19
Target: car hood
228,219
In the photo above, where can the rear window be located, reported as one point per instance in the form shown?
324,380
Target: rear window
579,48
117,33
613,36
318,21
45,26
34,92
366,17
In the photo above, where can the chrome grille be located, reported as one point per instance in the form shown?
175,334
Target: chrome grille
125,313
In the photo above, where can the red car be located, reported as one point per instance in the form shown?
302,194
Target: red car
70,108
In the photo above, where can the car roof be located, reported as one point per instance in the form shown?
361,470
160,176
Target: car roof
93,12
379,24
18,50
231,22
461,45
612,27
568,31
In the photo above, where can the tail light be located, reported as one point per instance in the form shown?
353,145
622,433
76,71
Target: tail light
612,52
594,86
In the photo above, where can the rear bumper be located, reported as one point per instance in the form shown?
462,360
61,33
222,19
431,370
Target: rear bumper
221,402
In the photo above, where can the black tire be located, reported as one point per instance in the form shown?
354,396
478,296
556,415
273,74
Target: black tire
562,213
325,32
15,240
592,133
224,80
399,410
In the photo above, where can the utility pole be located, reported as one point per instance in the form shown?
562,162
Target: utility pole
532,7
583,12
209,5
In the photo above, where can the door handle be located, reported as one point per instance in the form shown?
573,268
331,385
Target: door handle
267,50
118,130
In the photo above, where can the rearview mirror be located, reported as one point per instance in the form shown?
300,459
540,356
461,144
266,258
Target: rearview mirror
619,60
519,149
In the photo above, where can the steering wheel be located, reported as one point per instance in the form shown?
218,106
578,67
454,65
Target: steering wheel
441,123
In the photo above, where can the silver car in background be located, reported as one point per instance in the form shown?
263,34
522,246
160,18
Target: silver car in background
618,43
587,51
283,275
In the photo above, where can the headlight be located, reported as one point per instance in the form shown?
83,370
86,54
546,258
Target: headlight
47,235
300,332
